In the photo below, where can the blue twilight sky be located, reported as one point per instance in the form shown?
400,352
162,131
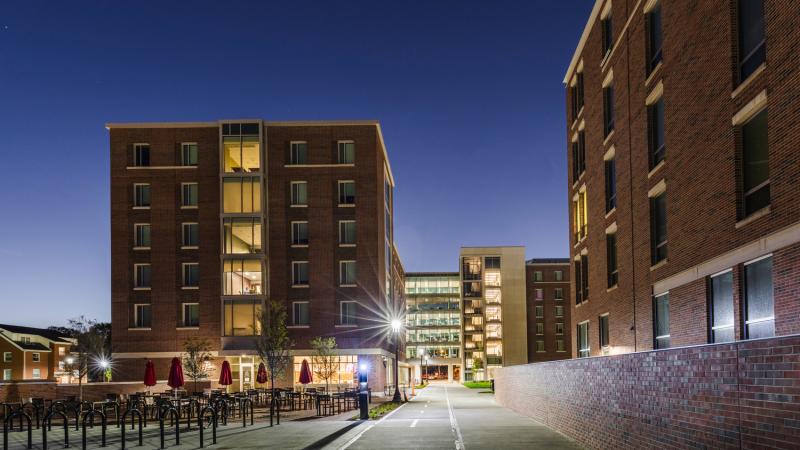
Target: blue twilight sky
469,95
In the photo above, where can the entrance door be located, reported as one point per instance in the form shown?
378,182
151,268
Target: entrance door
245,377
456,372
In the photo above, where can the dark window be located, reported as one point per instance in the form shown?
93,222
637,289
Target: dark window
141,195
299,233
347,192
573,98
191,314
298,153
654,38
142,316
607,35
608,109
348,313
472,289
189,154
655,121
759,302
300,314
585,277
611,259
721,307
661,321
752,44
611,184
578,156
493,262
658,228
579,85
190,235
300,273
538,276
583,340
604,342
191,275
755,164
141,155
347,153
578,283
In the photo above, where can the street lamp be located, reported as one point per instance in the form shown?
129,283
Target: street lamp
396,326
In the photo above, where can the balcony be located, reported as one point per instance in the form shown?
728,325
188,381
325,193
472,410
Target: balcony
492,360
473,312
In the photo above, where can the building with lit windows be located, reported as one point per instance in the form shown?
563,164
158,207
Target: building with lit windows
433,325
28,353
684,166
209,220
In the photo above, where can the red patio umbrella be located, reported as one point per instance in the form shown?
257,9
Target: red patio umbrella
305,373
175,374
149,374
225,377
261,377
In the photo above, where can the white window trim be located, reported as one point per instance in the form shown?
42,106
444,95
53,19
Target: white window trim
36,357
345,141
36,373
341,315
555,311
136,277
183,199
137,145
291,148
184,326
339,194
183,236
295,285
183,145
291,225
340,233
10,357
655,94
136,315
291,194
294,318
135,235
341,273
748,111
183,276
135,185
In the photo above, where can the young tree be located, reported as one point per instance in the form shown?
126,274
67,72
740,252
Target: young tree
477,364
195,358
90,347
272,345
324,359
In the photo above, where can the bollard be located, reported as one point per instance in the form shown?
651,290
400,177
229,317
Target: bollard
10,420
175,420
200,418
134,414
47,425
90,415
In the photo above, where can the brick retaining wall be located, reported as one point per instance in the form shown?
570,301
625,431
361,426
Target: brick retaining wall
738,395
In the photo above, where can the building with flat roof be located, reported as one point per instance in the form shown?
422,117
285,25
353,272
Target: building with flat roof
548,305
685,224
209,220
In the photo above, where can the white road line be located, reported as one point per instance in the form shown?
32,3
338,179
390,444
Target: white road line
358,436
454,423
414,423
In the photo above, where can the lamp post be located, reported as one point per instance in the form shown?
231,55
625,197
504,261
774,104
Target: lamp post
422,368
396,325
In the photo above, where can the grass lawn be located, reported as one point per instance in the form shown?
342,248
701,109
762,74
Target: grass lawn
420,386
478,384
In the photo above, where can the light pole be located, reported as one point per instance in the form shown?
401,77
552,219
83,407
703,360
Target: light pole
422,368
396,325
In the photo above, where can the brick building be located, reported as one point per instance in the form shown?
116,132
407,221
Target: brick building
28,353
548,305
682,131
209,220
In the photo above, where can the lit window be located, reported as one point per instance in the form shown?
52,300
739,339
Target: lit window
299,193
141,276
347,152
580,213
141,155
189,154
583,340
755,164
300,314
141,195
661,321
189,195
189,235
241,148
759,299
242,277
141,235
539,294
241,195
241,235
300,273
658,227
6,374
752,42
298,152
347,273
347,193
347,232
142,316
36,374
191,315
299,233
191,275
241,317
347,313
721,307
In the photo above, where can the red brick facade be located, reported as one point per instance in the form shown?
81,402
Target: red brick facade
550,293
701,172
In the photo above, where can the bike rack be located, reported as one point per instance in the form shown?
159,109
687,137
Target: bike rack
243,402
36,413
10,420
115,406
224,410
192,405
90,415
47,425
135,414
200,418
175,416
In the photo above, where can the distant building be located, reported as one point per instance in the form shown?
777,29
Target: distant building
547,281
683,180
33,354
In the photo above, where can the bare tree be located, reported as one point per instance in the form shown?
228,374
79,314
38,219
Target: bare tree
324,359
272,345
195,359
91,348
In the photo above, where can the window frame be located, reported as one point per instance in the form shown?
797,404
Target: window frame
603,329
657,152
186,160
36,357
612,263
745,209
295,283
342,145
539,311
186,195
742,59
136,242
184,323
295,318
184,267
295,226
659,251
342,316
138,147
610,171
292,160
342,264
292,200
138,319
8,357
342,197
654,56
712,329
136,204
341,234
608,109
657,339
558,311
136,282
583,330
745,303
189,245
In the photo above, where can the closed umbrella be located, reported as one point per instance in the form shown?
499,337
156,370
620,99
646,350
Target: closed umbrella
305,373
149,374
225,377
175,374
261,377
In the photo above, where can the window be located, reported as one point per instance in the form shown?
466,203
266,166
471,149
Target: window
538,276
758,297
141,155
559,275
300,233
299,193
611,184
720,292
654,39
141,276
580,211
539,328
241,235
755,164
560,345
36,374
558,293
242,277
141,235
559,328
300,314
36,357
189,235
298,153
577,96
347,232
189,154
241,153
539,294
191,315
655,121
492,262
472,289
142,316
559,311
347,193
241,317
539,311
347,273
752,43
578,156
347,313
141,195
241,195
300,273
661,321
471,268
582,279
658,228
191,275
189,195
7,357
539,346
604,342
583,340
608,110
347,152
6,374
607,34
611,259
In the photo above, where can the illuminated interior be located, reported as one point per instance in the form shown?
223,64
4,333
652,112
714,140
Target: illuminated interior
242,277
241,153
492,278
241,235
346,370
241,195
241,317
